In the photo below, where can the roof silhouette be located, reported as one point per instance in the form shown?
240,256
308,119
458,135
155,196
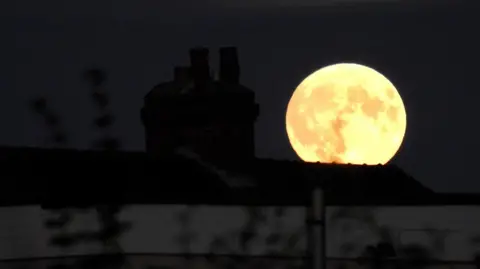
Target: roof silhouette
39,176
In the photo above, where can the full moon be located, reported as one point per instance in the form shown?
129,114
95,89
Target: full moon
346,113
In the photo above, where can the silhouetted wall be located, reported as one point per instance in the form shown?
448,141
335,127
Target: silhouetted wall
445,232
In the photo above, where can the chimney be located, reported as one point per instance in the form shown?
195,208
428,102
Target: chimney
200,68
181,74
229,67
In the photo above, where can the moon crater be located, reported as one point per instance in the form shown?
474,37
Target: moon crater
346,113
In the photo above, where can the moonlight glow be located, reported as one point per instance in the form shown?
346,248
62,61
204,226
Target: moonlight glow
346,113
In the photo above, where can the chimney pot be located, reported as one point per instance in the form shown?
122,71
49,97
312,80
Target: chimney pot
229,66
200,67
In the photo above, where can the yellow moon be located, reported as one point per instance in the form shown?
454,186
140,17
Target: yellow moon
346,113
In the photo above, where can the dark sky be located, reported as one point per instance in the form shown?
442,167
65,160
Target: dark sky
431,56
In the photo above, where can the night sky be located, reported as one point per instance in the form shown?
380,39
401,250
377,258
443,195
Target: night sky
431,56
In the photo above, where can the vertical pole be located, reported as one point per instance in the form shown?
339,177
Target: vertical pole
318,228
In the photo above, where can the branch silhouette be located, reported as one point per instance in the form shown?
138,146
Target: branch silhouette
60,216
52,121
238,243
